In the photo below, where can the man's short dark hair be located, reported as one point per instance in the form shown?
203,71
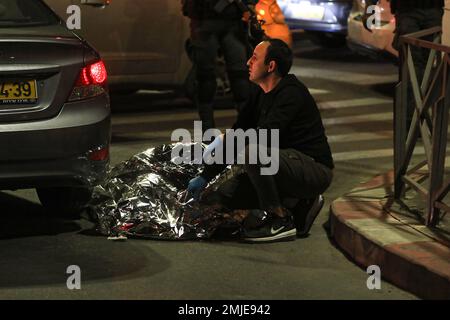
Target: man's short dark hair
279,52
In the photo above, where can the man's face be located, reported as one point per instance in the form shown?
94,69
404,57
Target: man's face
258,70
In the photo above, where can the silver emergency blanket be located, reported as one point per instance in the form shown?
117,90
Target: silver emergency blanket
144,197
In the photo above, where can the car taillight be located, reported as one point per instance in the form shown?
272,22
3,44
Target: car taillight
100,154
97,72
91,82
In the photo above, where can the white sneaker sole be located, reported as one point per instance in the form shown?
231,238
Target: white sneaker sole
285,236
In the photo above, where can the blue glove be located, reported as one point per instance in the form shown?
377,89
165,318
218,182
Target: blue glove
196,186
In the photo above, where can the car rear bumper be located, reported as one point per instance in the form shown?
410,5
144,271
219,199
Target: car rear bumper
333,21
55,152
369,51
319,26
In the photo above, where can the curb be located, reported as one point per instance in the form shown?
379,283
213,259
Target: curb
365,226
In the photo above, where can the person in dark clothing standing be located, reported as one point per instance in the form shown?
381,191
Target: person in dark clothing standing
218,24
278,101
412,16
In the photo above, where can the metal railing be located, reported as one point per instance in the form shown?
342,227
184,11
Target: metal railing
431,99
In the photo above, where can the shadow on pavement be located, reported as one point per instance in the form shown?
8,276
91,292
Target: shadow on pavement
37,249
386,89
151,102
142,101
343,55
21,218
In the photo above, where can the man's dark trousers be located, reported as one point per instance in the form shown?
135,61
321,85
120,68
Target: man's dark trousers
208,36
298,177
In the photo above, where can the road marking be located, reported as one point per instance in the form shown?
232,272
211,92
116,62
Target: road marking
378,117
361,136
339,104
367,78
338,138
313,91
337,156
316,92
193,115
164,117
385,116
154,92
370,154
362,154
378,153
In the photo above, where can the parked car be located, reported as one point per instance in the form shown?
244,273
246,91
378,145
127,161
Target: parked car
54,108
376,43
141,41
325,20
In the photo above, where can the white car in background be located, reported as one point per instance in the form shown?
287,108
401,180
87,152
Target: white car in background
324,20
376,43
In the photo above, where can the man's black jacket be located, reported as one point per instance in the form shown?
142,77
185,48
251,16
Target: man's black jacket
291,109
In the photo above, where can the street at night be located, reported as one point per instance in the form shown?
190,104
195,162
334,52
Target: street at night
224,158
354,94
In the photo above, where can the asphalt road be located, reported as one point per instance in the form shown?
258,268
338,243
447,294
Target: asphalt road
355,98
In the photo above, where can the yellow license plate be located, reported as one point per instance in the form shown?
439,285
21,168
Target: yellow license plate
18,92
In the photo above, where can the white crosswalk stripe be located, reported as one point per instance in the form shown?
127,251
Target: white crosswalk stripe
353,103
316,92
373,154
340,126
165,117
366,78
192,115
385,116
361,136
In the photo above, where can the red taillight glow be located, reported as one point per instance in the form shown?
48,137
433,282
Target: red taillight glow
91,82
93,74
84,78
99,155
98,72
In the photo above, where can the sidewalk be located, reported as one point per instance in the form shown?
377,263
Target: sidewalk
374,230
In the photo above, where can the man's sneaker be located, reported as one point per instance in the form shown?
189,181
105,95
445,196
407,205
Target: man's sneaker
274,229
255,219
306,212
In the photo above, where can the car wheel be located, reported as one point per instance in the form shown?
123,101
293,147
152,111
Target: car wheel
67,202
329,40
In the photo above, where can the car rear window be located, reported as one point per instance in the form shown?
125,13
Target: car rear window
18,13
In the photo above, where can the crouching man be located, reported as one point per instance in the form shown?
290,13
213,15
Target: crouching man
280,102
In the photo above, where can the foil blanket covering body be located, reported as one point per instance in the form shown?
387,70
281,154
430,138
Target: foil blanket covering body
143,197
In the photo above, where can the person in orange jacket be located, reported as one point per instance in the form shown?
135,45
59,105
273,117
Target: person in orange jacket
274,23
